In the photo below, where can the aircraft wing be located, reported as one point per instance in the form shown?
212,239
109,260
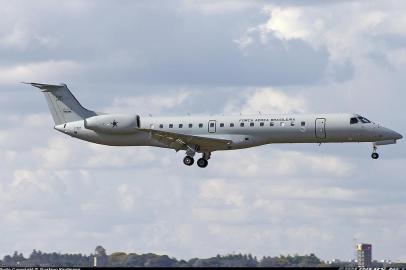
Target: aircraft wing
179,141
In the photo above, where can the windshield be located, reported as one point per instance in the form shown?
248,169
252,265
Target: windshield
353,121
359,119
364,120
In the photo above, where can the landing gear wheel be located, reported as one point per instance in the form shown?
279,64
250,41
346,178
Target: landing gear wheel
188,160
375,156
202,163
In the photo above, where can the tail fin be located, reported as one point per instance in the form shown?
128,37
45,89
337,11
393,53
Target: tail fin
63,105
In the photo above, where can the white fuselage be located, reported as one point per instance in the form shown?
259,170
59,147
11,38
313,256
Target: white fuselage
206,134
243,130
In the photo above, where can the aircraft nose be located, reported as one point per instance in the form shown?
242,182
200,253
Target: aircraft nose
394,135
397,136
389,134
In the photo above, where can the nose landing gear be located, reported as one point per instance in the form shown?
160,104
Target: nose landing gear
374,154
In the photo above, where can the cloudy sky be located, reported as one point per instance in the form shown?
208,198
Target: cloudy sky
202,57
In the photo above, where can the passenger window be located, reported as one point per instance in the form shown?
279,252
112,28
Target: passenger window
241,124
353,120
292,124
261,124
211,124
180,125
282,124
161,126
170,125
303,123
221,124
190,125
251,124
231,124
271,124
200,125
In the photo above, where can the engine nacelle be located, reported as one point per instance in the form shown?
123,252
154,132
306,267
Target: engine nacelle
113,123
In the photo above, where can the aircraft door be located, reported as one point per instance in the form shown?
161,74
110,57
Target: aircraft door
212,126
321,128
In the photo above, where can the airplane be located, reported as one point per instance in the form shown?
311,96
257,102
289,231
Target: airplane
207,134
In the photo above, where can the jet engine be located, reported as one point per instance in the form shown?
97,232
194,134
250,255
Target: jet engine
113,123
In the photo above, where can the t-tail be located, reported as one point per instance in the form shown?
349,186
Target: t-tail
63,105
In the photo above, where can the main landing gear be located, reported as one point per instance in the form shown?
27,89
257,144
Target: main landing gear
188,160
374,154
201,162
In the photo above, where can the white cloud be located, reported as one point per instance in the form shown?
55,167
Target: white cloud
148,103
317,25
46,71
246,39
8,156
128,196
268,100
217,189
111,157
297,162
287,23
281,165
24,178
16,38
34,120
57,154
211,7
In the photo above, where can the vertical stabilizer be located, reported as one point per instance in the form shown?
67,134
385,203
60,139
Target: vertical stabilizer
63,105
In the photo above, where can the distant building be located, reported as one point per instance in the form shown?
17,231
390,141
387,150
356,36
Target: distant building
364,255
100,257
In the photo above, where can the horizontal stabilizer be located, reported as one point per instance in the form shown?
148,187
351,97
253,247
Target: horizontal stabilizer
46,87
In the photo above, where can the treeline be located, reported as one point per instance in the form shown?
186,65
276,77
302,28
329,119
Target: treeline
38,258
234,260
121,259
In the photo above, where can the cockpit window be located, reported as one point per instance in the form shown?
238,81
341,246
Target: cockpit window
353,120
364,120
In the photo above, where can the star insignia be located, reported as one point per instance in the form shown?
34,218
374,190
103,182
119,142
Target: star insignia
114,123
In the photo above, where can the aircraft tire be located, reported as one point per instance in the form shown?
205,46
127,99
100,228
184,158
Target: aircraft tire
188,161
202,163
375,156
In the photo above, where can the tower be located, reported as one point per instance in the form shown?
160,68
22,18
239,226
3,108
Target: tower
364,254
100,257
